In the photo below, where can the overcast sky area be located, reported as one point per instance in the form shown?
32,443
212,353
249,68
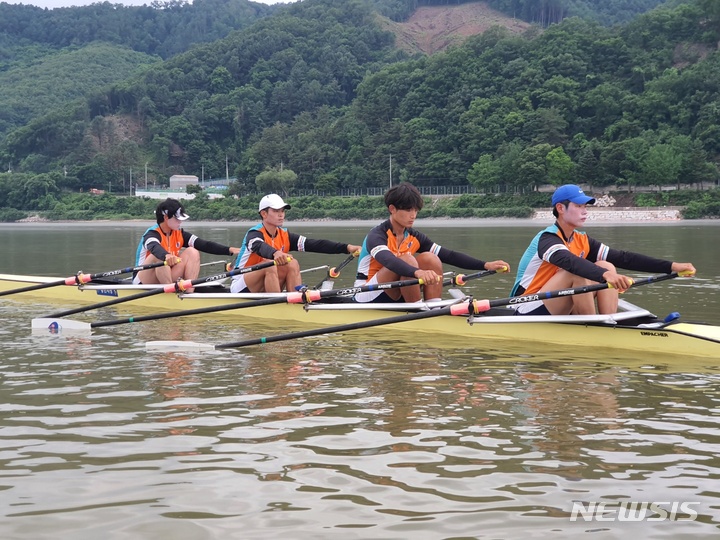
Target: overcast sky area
67,3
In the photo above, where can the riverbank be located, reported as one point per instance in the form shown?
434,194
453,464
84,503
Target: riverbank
599,215
614,214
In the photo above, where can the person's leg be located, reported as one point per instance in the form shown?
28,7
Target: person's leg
289,275
151,276
187,268
607,299
265,280
369,296
408,294
430,261
581,304
425,261
189,265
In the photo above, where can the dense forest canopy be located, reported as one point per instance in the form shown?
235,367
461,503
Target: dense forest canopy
54,78
319,88
543,12
49,58
163,28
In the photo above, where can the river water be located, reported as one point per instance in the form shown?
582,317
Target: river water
360,434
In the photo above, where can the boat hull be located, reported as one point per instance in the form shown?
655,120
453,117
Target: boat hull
567,333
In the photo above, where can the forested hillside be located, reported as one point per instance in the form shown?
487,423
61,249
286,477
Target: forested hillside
163,28
319,88
630,105
545,12
210,102
48,58
55,78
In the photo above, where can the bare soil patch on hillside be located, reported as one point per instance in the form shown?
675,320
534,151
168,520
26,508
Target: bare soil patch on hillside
435,28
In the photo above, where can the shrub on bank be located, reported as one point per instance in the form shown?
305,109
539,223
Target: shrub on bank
699,204
700,210
9,215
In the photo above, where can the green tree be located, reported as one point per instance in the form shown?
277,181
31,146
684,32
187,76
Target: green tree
327,183
532,166
276,181
588,169
660,165
485,173
623,160
560,167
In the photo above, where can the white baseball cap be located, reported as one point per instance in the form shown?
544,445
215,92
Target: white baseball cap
171,208
273,201
180,214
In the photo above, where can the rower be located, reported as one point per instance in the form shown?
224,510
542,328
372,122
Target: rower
395,250
168,242
561,257
268,240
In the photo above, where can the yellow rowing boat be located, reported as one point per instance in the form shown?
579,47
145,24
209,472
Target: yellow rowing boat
632,329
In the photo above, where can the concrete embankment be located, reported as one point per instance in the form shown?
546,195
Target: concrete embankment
664,213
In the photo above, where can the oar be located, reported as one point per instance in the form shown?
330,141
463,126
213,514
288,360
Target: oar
314,269
81,278
334,272
299,297
213,263
177,287
471,307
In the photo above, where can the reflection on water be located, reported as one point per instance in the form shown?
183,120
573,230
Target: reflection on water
76,246
367,435
342,435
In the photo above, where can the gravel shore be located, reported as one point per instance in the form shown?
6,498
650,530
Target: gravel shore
598,215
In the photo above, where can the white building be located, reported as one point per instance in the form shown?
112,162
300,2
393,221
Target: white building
180,181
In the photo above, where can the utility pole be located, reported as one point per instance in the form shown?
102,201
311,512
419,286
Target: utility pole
146,163
390,170
227,172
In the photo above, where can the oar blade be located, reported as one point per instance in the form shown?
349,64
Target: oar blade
50,325
178,346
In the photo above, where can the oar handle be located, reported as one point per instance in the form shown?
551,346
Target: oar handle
462,279
180,286
80,279
479,306
308,296
85,278
185,284
335,271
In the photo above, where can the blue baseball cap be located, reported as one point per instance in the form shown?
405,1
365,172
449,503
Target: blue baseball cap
572,193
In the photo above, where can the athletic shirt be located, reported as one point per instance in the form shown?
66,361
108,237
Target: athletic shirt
258,246
171,243
534,271
279,242
381,249
154,241
550,250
